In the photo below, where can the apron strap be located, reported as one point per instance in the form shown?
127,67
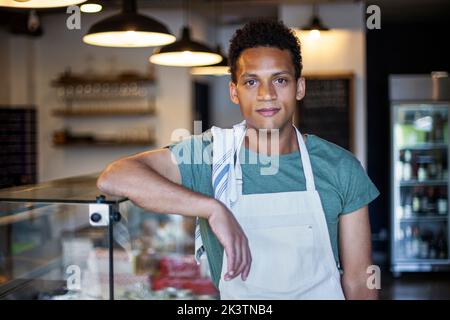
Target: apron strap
306,162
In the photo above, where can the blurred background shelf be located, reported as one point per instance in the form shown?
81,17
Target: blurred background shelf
100,113
148,143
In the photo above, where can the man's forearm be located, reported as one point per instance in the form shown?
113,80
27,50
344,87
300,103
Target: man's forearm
357,289
153,192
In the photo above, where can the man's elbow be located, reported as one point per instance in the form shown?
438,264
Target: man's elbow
105,181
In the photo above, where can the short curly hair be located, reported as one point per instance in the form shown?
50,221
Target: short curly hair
264,33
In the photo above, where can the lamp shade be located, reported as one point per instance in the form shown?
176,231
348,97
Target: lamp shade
91,7
218,69
128,29
38,4
185,53
315,24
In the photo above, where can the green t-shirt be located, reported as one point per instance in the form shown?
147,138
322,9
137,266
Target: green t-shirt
341,181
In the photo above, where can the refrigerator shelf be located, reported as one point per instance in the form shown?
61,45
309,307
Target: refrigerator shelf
424,219
414,183
423,261
425,146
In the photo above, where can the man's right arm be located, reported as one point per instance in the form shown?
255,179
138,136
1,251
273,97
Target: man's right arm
152,181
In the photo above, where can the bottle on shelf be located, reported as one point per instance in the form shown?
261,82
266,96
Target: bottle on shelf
432,168
408,242
407,167
438,157
423,202
416,201
438,127
432,201
441,243
433,248
407,206
442,203
422,174
424,250
415,243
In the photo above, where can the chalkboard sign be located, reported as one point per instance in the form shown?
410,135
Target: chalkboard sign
17,145
327,109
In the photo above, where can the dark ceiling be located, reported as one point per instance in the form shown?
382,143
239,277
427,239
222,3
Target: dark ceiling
239,11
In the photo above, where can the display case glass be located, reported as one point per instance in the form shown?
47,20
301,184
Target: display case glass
63,240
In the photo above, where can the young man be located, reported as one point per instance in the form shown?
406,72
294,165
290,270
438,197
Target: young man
299,232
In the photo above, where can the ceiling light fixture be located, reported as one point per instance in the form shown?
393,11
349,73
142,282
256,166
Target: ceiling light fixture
128,29
38,4
185,52
91,7
315,26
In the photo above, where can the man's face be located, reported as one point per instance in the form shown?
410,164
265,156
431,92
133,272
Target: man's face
266,88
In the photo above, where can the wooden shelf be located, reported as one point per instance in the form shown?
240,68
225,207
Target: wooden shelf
99,113
94,143
76,80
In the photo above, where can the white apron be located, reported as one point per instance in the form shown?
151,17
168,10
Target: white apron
288,236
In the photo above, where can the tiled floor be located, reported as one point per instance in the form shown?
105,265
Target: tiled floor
416,286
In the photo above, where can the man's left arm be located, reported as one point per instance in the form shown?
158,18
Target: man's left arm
356,254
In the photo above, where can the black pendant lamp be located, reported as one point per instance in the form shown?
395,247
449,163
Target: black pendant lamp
185,53
218,69
91,7
315,26
39,4
128,29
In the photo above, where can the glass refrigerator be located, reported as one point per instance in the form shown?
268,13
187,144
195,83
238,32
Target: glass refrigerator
419,176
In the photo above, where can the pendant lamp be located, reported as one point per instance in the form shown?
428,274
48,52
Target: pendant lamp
91,7
39,4
315,26
218,69
185,52
128,29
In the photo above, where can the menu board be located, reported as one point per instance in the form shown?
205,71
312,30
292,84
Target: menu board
17,146
327,109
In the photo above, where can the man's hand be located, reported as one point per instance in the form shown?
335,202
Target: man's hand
235,243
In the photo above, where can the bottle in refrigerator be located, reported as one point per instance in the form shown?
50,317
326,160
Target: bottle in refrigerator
408,242
407,167
442,203
432,201
423,202
432,168
441,245
422,174
407,207
433,249
424,250
415,243
438,127
416,201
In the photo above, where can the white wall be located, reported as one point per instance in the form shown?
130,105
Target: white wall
36,62
224,113
340,50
